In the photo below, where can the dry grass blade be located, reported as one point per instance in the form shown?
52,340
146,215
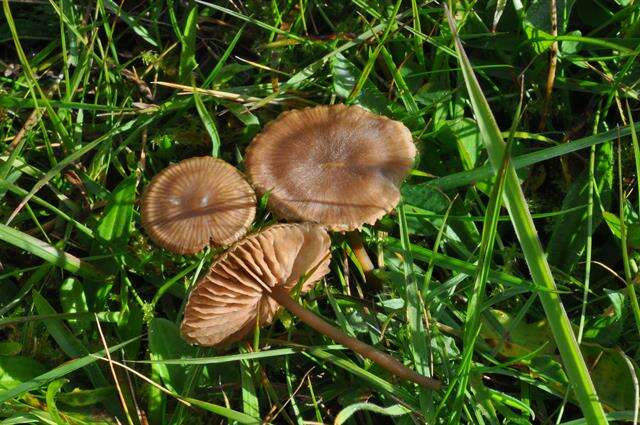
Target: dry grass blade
234,97
123,401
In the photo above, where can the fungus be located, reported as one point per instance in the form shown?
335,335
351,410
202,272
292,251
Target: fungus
339,165
248,284
196,202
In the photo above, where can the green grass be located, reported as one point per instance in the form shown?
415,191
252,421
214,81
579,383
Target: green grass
510,277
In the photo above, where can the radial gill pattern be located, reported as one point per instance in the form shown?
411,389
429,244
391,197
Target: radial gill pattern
233,297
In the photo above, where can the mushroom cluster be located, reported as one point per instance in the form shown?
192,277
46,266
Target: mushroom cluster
329,167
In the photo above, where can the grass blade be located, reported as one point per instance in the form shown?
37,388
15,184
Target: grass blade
224,411
69,344
58,372
188,40
346,413
373,379
454,264
414,310
209,125
636,148
485,172
624,246
474,309
574,363
254,355
48,253
133,23
254,21
77,154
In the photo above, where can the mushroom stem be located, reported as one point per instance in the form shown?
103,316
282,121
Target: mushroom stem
365,350
355,240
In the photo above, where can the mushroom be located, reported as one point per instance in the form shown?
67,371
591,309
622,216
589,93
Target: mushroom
196,202
249,283
338,165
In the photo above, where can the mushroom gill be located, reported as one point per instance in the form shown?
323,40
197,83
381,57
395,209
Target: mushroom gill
247,285
227,302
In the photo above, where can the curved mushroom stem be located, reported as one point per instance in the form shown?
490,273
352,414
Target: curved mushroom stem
365,350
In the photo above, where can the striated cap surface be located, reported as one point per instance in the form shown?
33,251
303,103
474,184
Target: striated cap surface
196,202
339,165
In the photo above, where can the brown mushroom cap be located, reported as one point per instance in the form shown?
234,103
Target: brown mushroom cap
196,202
339,165
227,302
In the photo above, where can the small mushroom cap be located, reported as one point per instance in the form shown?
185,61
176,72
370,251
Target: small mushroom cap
225,305
196,202
339,165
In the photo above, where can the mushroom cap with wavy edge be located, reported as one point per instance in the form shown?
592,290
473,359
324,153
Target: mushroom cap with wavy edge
227,302
195,202
339,165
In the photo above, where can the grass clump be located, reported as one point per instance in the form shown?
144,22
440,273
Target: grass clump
96,99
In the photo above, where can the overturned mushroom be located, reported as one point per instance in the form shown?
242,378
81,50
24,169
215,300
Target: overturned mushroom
196,202
226,303
247,285
339,165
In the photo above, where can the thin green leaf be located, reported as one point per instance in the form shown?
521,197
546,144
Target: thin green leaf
188,40
234,415
254,21
165,343
574,363
209,125
255,355
414,310
454,264
472,318
364,76
58,372
52,391
636,150
250,402
135,26
69,344
485,172
77,154
48,253
345,414
114,226
371,378
624,247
